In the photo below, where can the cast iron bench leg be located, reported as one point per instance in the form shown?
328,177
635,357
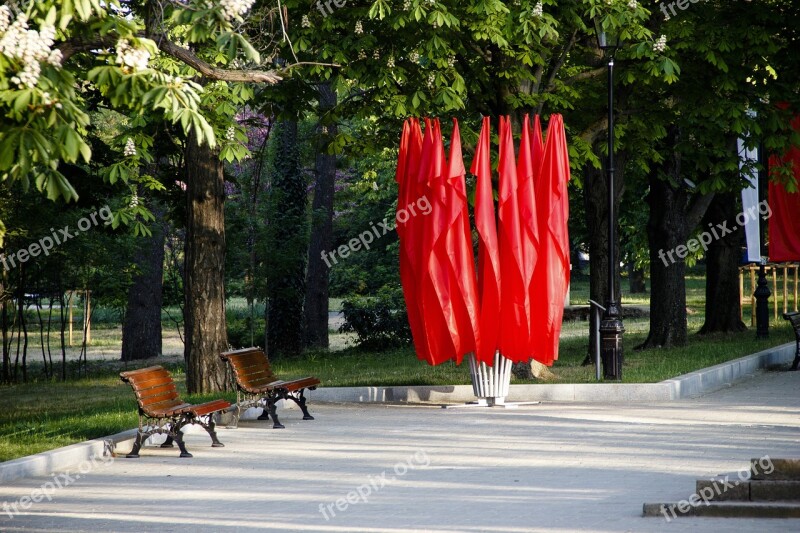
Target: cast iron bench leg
300,400
137,444
271,401
178,436
209,426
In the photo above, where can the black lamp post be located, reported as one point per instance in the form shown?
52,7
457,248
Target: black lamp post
762,294
611,328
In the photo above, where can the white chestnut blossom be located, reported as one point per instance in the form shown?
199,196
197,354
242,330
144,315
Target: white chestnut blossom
359,29
660,45
235,9
390,62
538,10
26,46
413,57
5,18
633,4
134,200
305,22
130,148
230,134
134,58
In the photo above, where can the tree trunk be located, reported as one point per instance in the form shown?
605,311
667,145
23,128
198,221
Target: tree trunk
595,195
636,280
204,311
316,299
287,247
722,267
141,329
666,230
674,212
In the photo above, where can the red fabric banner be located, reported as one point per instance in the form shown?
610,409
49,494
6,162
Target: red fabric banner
458,250
528,219
489,280
514,341
408,231
784,224
552,269
437,297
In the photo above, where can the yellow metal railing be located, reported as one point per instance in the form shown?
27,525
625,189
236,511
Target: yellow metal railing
784,296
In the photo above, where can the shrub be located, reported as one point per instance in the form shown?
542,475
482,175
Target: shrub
379,322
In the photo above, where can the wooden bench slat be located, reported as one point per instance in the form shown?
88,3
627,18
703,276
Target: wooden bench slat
159,389
256,380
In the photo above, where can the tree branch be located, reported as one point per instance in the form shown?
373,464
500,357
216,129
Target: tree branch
698,209
213,73
593,131
561,60
72,47
586,75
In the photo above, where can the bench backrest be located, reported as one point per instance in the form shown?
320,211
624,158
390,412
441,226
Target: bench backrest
250,368
154,388
793,318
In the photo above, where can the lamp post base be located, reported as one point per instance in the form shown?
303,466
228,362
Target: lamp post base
762,294
611,330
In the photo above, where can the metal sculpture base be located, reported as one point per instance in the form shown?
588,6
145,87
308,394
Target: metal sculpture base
490,384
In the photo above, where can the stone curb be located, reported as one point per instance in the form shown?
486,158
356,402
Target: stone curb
47,463
689,386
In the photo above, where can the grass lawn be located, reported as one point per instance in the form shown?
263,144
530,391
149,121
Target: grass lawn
43,415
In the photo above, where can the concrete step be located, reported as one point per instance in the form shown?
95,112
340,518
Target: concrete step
730,488
722,509
775,469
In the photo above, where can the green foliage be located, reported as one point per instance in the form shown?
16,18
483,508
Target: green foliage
93,54
245,326
379,322
286,244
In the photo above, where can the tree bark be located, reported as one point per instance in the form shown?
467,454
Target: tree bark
316,298
288,247
595,195
141,329
636,279
204,312
722,267
674,212
666,230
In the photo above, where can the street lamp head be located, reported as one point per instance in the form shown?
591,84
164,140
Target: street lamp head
608,38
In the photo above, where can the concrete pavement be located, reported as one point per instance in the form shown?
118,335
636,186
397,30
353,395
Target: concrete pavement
556,467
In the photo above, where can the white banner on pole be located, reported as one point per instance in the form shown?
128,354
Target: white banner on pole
750,201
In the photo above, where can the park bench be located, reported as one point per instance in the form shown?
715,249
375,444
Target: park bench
256,385
794,320
161,410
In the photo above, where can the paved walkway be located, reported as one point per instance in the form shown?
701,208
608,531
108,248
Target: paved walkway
548,467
